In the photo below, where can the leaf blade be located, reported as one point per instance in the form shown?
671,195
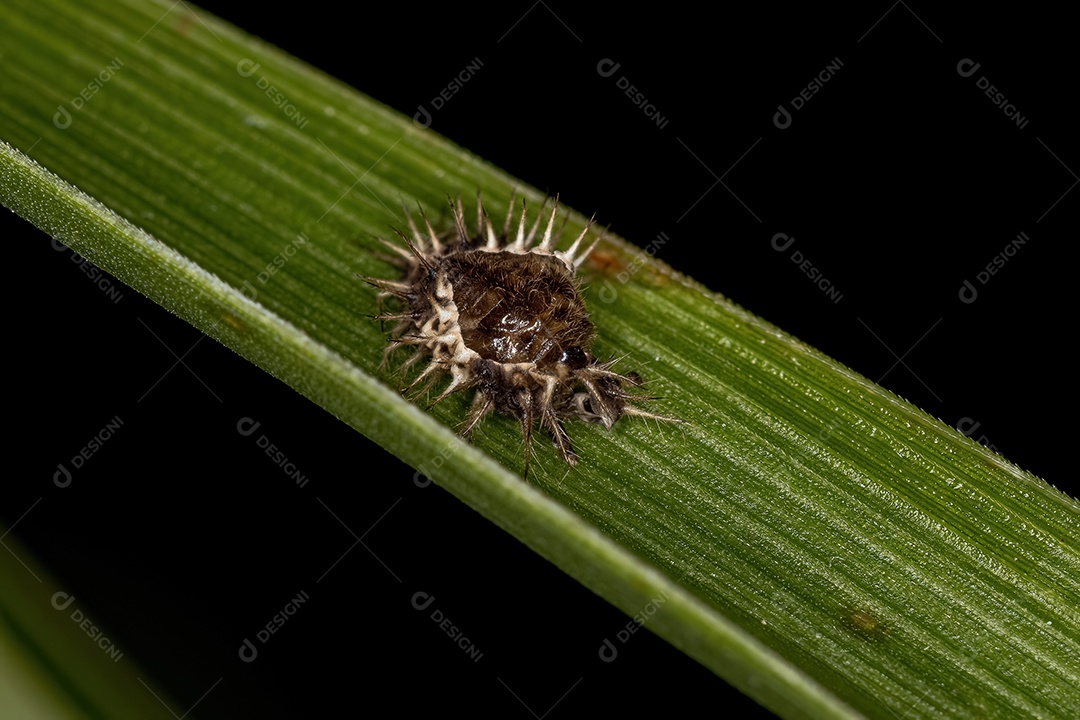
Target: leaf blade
767,460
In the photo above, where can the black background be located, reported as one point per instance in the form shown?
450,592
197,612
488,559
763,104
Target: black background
899,180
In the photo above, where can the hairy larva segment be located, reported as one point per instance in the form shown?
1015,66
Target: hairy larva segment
501,314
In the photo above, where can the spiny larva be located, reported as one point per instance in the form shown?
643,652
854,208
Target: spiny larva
503,315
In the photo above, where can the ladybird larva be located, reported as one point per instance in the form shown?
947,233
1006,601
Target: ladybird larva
502,314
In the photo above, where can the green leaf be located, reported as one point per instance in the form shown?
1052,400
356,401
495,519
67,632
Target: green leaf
824,546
